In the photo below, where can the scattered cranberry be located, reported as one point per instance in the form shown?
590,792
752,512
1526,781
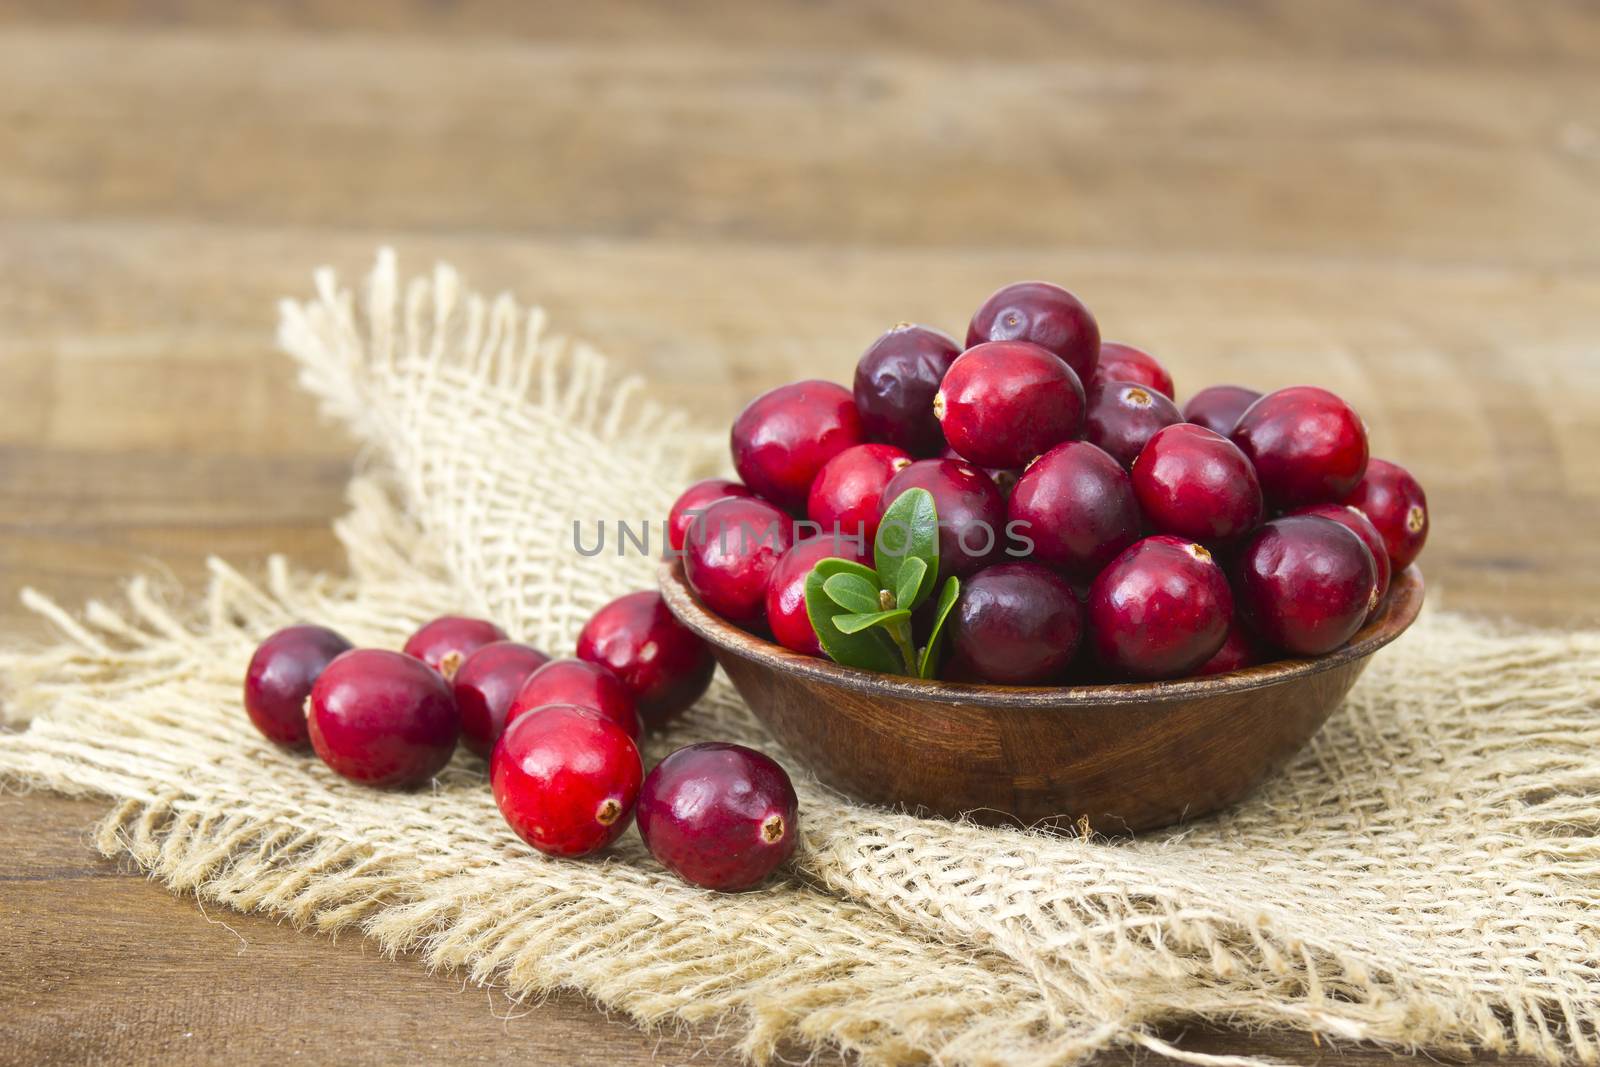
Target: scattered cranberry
1004,402
1238,651
1308,446
1079,508
744,539
1044,314
691,505
1124,363
895,382
1357,523
443,643
1122,416
719,816
848,493
1160,609
1218,407
1016,624
971,510
566,780
1305,584
383,718
782,439
1197,484
786,588
485,686
580,684
663,663
280,677
1394,501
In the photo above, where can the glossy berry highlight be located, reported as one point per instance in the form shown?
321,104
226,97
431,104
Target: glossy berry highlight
1124,363
1160,609
1196,484
1042,314
383,718
729,570
1394,501
488,681
684,520
895,380
1307,445
1305,584
660,661
280,676
566,780
1005,402
783,437
448,640
786,588
1121,417
581,684
847,495
1016,624
1076,504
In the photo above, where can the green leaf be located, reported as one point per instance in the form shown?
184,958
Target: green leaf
871,650
909,530
909,583
852,592
929,667
854,624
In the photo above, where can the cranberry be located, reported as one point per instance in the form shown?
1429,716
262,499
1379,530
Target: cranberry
691,505
782,439
1122,416
580,684
1004,402
744,540
383,718
661,661
1197,484
1238,651
1305,584
1357,523
1308,446
1079,508
1016,624
1044,314
847,495
566,780
971,510
1124,363
280,677
1394,501
786,589
1218,407
443,643
1004,479
895,382
1160,609
485,686
719,816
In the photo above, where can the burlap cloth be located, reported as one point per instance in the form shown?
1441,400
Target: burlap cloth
1426,873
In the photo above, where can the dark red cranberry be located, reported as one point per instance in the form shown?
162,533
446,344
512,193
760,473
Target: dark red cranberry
580,684
786,589
488,681
1004,479
1005,402
1079,508
566,780
1160,609
383,718
1016,624
1124,363
280,677
971,510
719,816
661,661
848,493
1394,501
1305,584
782,439
895,381
1196,484
744,539
692,503
1122,417
1044,314
1357,523
1240,650
443,643
1218,407
1308,446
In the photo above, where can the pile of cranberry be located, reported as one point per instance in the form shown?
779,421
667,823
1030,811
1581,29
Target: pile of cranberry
1099,532
560,735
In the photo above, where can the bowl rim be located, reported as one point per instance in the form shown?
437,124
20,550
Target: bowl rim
1399,610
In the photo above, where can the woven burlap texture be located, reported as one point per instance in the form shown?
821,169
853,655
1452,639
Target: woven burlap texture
1426,873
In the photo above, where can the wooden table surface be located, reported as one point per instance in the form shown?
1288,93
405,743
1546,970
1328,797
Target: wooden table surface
1400,202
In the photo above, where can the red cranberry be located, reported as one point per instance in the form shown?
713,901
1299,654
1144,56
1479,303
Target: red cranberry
566,780
1124,363
1004,478
1016,624
782,439
1394,501
1044,314
1197,484
1122,416
488,681
383,718
1238,651
1079,508
744,539
719,816
1357,523
1218,407
1160,609
972,513
280,677
1305,584
661,661
895,382
848,493
1308,446
580,684
443,643
786,589
691,505
1004,402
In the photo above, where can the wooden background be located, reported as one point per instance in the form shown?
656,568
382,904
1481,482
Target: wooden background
1400,202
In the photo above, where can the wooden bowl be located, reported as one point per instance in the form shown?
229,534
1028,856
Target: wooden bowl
1126,757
